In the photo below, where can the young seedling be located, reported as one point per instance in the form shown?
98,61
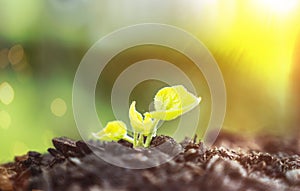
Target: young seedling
142,125
169,103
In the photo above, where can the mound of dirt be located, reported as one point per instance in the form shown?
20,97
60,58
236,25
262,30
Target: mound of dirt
74,166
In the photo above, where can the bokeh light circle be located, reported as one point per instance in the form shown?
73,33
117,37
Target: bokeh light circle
58,107
99,55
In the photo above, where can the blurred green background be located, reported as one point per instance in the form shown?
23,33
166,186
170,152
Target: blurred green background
255,42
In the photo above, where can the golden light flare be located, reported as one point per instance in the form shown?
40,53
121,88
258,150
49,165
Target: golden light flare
7,93
268,39
265,40
58,107
255,48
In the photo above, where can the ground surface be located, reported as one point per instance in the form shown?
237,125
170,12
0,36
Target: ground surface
264,163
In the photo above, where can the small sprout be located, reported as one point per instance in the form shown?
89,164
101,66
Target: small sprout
169,103
114,131
139,123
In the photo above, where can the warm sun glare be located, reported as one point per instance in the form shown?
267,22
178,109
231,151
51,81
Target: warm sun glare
281,6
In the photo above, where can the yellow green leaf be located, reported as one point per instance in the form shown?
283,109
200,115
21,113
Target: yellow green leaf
139,123
171,102
114,131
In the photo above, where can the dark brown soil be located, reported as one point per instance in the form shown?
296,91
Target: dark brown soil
265,163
